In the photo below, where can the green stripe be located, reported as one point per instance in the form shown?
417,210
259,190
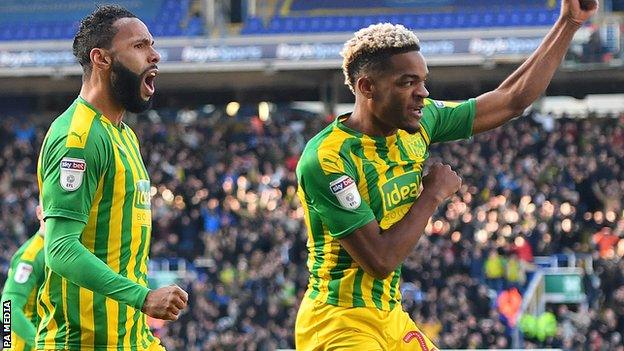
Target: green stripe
135,159
343,262
137,271
381,148
46,314
393,287
101,247
334,287
133,331
73,313
144,333
135,144
150,337
377,292
56,297
126,242
318,237
139,257
358,301
404,157
372,178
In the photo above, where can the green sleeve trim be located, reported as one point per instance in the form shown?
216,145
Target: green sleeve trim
69,214
358,224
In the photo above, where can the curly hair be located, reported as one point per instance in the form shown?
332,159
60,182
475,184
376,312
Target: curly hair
371,47
97,31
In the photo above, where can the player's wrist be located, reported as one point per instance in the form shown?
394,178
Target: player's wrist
143,300
432,196
568,22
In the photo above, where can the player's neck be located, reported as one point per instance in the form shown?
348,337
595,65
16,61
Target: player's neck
100,97
364,121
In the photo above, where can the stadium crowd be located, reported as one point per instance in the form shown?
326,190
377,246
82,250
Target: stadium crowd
224,198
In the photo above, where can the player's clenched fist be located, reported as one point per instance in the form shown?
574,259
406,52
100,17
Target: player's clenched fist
578,11
165,303
441,182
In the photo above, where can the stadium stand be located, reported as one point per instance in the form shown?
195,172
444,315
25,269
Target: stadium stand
224,201
331,16
54,21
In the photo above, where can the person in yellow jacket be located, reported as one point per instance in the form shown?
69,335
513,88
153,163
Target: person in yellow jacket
495,270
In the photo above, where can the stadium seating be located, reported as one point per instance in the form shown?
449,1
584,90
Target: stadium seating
329,16
312,24
169,21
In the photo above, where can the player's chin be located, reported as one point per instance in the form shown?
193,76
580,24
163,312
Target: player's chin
412,127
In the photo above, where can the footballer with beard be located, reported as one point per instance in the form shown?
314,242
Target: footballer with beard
95,194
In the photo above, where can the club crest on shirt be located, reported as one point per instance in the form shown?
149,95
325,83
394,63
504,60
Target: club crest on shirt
22,272
72,171
416,147
346,191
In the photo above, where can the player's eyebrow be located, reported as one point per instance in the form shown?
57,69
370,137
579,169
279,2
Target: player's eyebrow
414,76
145,41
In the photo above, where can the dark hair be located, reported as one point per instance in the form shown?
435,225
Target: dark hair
97,31
375,62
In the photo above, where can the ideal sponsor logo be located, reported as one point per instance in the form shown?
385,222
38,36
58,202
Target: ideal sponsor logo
6,324
400,190
340,184
74,165
142,194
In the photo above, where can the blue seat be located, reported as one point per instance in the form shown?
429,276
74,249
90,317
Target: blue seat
252,25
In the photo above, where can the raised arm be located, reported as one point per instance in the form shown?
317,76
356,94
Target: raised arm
529,81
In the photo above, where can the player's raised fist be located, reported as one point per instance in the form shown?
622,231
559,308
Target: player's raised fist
441,182
578,11
165,303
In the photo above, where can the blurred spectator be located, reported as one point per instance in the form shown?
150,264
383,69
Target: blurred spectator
495,270
224,199
594,50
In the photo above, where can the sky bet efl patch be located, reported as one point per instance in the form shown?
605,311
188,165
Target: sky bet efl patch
72,170
345,190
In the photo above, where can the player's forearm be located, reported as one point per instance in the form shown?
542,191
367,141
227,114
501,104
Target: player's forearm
400,239
19,323
530,80
66,256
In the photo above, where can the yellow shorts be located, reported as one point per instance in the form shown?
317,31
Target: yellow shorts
320,326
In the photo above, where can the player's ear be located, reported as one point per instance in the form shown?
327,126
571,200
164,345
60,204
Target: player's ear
100,58
366,86
39,212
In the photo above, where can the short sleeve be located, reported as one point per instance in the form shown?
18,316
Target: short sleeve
332,193
70,175
446,121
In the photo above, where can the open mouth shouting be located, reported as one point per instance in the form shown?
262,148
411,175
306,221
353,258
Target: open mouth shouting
148,88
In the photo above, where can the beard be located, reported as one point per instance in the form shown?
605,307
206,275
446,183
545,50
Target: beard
126,88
